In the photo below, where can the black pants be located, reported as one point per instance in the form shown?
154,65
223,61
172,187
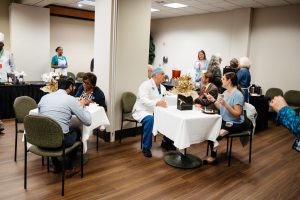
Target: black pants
69,139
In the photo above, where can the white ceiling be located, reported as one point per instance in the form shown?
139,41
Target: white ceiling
194,6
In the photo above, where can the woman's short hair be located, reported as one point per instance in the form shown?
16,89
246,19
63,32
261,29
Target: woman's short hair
232,77
209,76
245,62
91,77
57,48
202,51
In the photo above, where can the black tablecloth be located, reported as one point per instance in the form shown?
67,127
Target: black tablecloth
261,104
8,94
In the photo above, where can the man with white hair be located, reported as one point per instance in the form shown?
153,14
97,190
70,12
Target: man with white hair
6,66
6,61
149,96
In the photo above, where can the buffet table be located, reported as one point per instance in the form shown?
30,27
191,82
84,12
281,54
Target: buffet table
8,94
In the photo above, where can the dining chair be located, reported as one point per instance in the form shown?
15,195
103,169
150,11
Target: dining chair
79,76
127,102
71,75
22,106
272,92
47,139
292,98
248,132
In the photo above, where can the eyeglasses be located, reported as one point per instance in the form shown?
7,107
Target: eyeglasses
87,83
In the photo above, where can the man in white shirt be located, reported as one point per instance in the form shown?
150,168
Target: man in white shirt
150,94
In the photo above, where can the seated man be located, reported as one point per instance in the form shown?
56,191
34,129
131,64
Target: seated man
150,95
60,106
207,88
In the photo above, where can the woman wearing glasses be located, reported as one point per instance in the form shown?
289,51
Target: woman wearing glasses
89,91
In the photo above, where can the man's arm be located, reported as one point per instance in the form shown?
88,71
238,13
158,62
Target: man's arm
144,95
79,110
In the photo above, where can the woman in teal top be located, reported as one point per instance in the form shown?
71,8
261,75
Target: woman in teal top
230,105
59,62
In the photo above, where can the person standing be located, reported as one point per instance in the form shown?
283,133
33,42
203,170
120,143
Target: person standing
200,65
214,68
244,76
59,62
6,61
6,66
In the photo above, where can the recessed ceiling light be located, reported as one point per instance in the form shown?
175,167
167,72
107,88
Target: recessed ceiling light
79,5
175,5
154,10
88,2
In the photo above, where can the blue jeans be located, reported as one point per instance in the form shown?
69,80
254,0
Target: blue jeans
147,135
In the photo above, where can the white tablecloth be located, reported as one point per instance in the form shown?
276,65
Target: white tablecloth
186,127
99,118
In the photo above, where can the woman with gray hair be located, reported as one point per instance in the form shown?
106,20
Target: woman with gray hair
214,68
244,76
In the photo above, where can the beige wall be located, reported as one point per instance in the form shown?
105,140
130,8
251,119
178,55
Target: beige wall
272,41
30,39
77,39
4,22
180,38
133,32
275,47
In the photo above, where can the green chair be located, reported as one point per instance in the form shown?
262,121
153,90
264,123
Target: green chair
47,139
71,75
79,76
22,106
127,102
272,92
292,98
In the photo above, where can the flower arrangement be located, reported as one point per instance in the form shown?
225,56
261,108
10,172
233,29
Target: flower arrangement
185,86
52,79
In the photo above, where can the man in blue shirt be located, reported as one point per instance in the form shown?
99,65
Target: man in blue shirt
60,106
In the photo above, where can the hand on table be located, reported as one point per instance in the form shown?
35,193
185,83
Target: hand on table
162,103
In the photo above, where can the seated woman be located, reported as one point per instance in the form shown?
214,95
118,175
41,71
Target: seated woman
207,88
231,110
89,91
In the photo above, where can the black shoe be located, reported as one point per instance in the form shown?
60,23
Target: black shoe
147,153
168,146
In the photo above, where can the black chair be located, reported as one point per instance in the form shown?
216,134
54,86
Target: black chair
47,139
247,133
79,76
22,106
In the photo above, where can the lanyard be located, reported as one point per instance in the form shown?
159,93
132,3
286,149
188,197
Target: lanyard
1,53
